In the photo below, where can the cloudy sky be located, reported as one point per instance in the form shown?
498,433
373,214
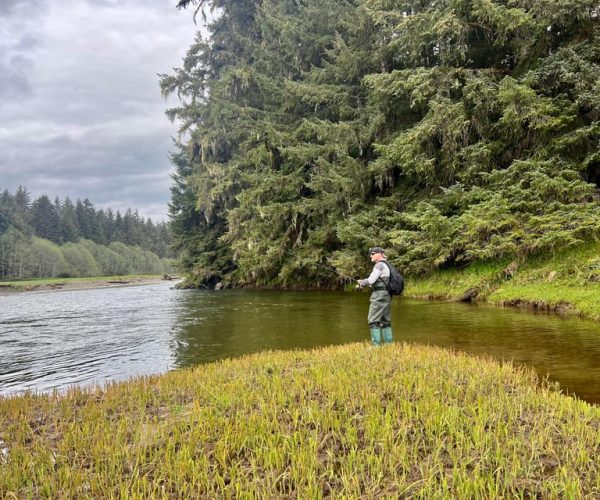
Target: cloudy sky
81,113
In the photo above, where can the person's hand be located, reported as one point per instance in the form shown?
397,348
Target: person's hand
358,286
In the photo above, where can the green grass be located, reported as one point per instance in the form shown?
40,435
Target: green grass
345,422
566,281
23,285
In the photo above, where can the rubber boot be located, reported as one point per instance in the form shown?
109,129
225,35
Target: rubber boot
386,332
375,335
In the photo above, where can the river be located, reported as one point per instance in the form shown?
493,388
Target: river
52,340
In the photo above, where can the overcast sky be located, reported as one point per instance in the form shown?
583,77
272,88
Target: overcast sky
81,113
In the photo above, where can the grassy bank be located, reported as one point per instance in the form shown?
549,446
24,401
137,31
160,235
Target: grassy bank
343,421
49,283
566,281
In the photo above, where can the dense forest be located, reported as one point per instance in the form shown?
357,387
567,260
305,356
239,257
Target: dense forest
446,131
44,238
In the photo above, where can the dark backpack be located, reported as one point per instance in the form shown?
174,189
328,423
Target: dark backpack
395,285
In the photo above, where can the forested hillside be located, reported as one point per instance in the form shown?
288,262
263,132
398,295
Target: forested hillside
446,131
44,238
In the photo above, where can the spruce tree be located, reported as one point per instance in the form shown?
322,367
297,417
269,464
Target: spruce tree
446,131
22,204
45,219
68,221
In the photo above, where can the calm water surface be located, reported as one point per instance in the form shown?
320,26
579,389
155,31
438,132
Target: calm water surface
51,340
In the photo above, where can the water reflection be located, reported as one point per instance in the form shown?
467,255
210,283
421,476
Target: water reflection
567,349
55,339
212,325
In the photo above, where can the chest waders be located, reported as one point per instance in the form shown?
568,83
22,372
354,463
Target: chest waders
379,318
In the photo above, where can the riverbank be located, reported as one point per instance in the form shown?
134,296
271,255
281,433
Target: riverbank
567,282
339,421
79,283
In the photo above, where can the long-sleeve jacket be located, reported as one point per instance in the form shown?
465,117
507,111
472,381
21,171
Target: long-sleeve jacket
380,270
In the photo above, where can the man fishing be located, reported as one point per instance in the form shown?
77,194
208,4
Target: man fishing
381,300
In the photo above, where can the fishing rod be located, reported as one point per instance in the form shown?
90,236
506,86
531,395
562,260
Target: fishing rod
334,270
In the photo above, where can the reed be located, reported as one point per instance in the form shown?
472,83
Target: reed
345,421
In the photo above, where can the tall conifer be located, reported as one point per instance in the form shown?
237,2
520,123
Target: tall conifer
446,131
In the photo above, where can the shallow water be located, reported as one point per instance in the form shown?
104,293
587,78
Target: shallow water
51,340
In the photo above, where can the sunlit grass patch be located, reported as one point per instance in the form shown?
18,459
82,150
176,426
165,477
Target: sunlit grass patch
565,281
343,421
557,297
452,284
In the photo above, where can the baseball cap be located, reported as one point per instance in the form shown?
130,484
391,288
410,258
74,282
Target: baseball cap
374,250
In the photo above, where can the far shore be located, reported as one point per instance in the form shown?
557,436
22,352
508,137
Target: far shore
44,285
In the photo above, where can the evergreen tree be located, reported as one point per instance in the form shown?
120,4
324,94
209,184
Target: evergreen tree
446,131
89,217
20,217
68,221
195,234
119,232
45,219
3,223
7,207
131,231
99,224
162,239
83,224
109,226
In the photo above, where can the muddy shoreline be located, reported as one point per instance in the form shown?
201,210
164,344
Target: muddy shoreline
83,285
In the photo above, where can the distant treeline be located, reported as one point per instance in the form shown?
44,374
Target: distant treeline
23,257
64,221
64,239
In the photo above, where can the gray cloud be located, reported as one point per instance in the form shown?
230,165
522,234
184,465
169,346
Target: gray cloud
22,7
13,80
16,42
26,43
8,7
80,109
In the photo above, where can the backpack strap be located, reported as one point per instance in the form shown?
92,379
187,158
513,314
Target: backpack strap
385,283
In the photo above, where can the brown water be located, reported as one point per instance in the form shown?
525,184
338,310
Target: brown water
50,340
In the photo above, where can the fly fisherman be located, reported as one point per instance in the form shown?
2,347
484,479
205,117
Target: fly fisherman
381,300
